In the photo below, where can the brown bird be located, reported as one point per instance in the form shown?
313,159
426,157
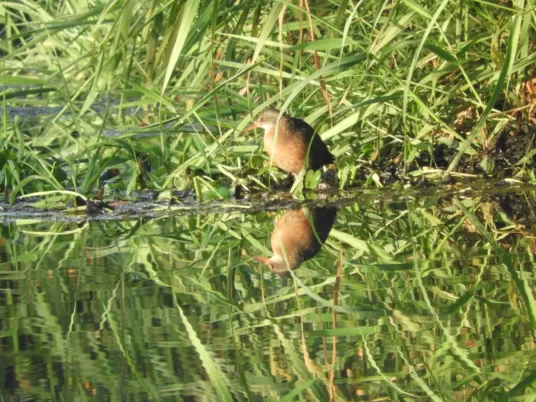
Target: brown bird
298,237
295,144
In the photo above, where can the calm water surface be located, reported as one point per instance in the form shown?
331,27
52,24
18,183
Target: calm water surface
435,302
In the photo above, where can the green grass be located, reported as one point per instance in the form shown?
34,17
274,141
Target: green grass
435,302
436,297
400,76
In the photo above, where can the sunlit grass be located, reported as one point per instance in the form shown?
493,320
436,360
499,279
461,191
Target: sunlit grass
103,99
435,301
398,76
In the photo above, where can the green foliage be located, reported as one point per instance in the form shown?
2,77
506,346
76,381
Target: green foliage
436,299
189,73
435,302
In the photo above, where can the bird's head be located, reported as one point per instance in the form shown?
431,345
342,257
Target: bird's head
276,263
267,120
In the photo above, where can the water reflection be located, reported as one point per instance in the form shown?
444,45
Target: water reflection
436,302
297,237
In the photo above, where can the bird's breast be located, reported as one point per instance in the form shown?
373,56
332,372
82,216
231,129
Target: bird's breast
269,142
293,236
286,151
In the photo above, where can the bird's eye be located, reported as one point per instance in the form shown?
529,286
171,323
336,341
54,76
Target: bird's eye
262,118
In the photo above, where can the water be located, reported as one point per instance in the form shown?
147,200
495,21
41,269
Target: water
435,302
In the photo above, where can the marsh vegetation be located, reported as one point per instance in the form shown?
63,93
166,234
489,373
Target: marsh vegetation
126,269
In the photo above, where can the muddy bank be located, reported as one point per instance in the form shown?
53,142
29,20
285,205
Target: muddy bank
510,154
147,205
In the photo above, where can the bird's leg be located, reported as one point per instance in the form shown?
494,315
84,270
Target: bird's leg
285,184
329,178
288,181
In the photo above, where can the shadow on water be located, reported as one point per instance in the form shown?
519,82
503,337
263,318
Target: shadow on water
435,301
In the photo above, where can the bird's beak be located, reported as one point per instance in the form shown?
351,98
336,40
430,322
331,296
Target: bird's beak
260,259
251,127
266,261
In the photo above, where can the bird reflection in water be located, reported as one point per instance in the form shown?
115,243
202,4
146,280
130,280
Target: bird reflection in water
297,237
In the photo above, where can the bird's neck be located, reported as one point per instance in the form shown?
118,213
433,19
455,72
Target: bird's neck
273,134
278,263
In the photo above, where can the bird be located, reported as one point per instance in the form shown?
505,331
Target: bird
297,237
295,144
